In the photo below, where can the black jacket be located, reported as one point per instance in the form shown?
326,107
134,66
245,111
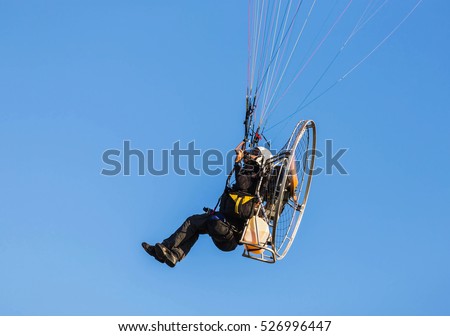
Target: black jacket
247,178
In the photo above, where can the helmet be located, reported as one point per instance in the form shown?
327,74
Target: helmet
265,154
258,154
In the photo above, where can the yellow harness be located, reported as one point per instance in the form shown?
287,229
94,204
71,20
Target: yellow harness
238,200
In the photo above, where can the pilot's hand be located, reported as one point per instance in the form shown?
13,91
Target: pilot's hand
239,155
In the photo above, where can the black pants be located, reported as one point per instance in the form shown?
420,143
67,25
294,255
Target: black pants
182,240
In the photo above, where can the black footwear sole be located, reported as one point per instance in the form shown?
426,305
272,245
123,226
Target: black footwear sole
150,249
167,255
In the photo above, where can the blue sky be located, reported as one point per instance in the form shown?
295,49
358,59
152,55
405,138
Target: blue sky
80,77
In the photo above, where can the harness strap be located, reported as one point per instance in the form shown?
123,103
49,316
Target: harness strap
240,200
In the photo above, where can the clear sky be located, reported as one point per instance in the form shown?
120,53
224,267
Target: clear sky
80,77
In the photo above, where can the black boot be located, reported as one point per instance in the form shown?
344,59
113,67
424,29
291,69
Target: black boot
165,254
150,249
